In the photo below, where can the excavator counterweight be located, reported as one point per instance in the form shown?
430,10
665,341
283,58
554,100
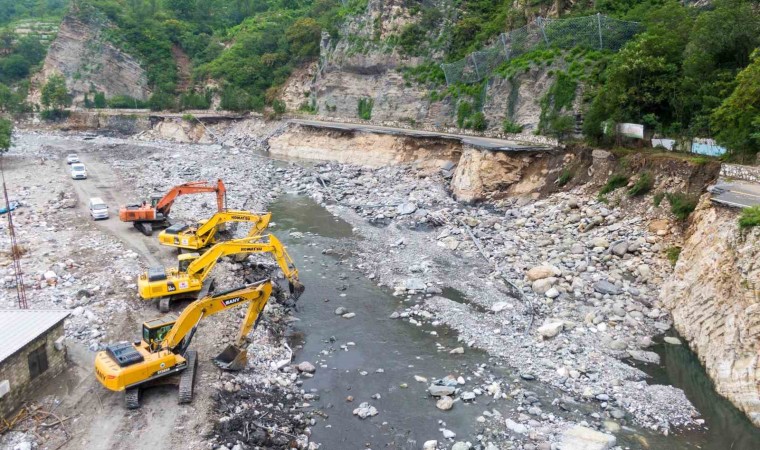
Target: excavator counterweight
146,216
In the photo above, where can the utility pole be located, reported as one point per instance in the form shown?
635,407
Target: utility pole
15,249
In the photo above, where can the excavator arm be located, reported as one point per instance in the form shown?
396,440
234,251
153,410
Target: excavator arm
260,221
204,264
164,205
255,295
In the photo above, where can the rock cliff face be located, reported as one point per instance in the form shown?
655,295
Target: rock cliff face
362,65
714,296
81,53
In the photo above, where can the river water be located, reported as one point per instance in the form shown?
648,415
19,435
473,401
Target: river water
371,354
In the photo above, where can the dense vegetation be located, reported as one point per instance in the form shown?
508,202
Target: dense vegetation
13,10
249,46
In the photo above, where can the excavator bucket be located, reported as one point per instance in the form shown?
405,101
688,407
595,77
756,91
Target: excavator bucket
232,358
296,289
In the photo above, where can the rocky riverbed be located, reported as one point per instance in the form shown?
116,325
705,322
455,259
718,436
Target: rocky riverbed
562,292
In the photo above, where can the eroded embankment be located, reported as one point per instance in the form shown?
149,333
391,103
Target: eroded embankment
714,297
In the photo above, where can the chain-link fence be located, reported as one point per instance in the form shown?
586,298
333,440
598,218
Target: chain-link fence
598,31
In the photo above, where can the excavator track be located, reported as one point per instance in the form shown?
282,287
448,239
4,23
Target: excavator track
132,398
144,227
187,379
164,304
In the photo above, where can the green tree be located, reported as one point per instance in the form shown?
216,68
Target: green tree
6,130
54,93
99,100
737,120
304,36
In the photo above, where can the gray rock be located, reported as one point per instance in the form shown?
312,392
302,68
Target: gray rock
461,446
605,287
339,311
551,329
644,356
415,284
619,248
307,367
527,376
672,340
440,391
618,345
406,208
516,427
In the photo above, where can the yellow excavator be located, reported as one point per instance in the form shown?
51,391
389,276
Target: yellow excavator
162,356
188,279
204,233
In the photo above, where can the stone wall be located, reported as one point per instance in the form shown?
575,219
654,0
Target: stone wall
714,296
15,369
747,173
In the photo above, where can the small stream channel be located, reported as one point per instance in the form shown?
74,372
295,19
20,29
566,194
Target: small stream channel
372,354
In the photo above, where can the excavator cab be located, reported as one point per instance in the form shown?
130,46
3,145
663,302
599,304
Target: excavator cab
155,331
154,199
184,260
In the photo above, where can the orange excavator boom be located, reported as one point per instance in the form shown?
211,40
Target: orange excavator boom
195,187
147,216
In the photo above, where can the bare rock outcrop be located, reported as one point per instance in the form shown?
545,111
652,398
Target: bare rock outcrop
480,173
82,54
714,296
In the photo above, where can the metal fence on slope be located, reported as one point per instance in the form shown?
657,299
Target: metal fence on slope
597,31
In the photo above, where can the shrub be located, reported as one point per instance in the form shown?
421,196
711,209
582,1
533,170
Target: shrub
681,205
479,122
125,102
565,176
673,253
188,117
161,101
750,217
365,108
99,100
54,114
616,181
510,127
278,106
193,100
643,185
464,111
658,198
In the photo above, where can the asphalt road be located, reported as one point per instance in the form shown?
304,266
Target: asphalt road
475,141
739,194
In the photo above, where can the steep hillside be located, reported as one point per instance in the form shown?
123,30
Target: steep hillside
90,63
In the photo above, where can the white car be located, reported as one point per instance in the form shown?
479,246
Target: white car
78,171
98,208
72,158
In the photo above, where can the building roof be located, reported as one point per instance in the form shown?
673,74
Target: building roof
19,327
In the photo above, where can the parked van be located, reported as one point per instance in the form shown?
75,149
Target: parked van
78,171
98,208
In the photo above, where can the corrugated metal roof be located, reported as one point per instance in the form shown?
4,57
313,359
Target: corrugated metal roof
19,327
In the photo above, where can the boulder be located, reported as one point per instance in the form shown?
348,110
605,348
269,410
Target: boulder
550,329
583,438
605,287
445,403
541,272
406,209
516,427
441,391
